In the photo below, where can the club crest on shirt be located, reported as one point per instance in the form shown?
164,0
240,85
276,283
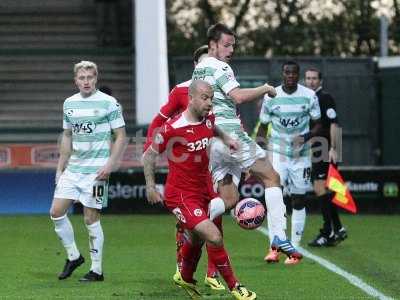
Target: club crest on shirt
159,139
70,112
197,212
208,124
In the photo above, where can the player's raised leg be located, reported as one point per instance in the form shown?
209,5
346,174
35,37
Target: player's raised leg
263,170
64,230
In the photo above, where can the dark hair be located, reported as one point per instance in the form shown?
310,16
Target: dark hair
215,31
199,52
106,90
291,63
312,69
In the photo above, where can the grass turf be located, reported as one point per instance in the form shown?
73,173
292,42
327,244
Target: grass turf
139,260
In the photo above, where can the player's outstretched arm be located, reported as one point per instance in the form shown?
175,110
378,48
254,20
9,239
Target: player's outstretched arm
117,150
65,152
149,165
249,94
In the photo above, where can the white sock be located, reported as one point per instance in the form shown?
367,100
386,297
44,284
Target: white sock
65,232
96,241
276,212
269,224
216,207
298,222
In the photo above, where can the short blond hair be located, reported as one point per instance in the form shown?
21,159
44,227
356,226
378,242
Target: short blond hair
86,65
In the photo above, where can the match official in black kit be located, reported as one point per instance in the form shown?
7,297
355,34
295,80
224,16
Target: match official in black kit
332,231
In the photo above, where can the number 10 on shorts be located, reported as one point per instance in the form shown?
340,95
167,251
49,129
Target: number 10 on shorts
100,192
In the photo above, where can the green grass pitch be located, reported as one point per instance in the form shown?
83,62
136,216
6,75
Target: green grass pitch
139,260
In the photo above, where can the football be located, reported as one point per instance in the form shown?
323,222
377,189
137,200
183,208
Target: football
249,213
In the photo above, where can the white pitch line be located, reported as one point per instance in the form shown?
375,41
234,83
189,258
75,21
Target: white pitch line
354,280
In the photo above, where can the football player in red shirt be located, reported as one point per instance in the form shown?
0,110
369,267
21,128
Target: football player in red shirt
178,102
185,139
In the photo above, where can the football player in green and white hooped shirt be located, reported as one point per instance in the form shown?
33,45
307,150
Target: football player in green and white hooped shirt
226,166
86,160
290,113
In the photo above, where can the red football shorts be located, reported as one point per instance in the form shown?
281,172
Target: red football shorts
190,208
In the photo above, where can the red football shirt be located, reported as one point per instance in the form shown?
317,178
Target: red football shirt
177,103
177,100
186,149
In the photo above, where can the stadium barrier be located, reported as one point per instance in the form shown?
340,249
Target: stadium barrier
27,183
42,156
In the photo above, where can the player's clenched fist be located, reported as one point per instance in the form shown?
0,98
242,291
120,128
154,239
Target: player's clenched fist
153,196
271,92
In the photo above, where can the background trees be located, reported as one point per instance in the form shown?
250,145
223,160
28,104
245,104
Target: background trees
286,27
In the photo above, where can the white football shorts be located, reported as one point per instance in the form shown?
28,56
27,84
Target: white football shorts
295,172
83,188
224,161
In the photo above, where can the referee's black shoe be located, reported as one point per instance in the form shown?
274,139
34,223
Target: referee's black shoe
320,241
92,276
70,266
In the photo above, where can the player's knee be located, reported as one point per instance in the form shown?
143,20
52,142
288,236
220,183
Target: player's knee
228,192
215,239
320,189
272,178
89,220
230,200
298,202
56,213
90,215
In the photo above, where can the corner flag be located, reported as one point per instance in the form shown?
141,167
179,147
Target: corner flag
343,197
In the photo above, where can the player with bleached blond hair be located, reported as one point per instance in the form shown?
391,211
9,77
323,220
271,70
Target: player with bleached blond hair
87,157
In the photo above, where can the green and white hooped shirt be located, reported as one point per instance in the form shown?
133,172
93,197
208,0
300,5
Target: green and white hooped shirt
91,120
290,116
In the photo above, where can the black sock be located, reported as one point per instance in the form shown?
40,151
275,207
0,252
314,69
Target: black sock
337,225
325,201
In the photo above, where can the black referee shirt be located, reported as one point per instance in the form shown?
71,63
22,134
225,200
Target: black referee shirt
328,112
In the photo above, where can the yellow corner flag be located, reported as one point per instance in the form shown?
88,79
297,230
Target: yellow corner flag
343,197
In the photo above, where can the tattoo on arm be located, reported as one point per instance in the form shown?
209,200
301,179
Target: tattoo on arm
149,165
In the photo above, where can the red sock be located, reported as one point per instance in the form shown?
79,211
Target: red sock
190,257
211,268
220,258
180,238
